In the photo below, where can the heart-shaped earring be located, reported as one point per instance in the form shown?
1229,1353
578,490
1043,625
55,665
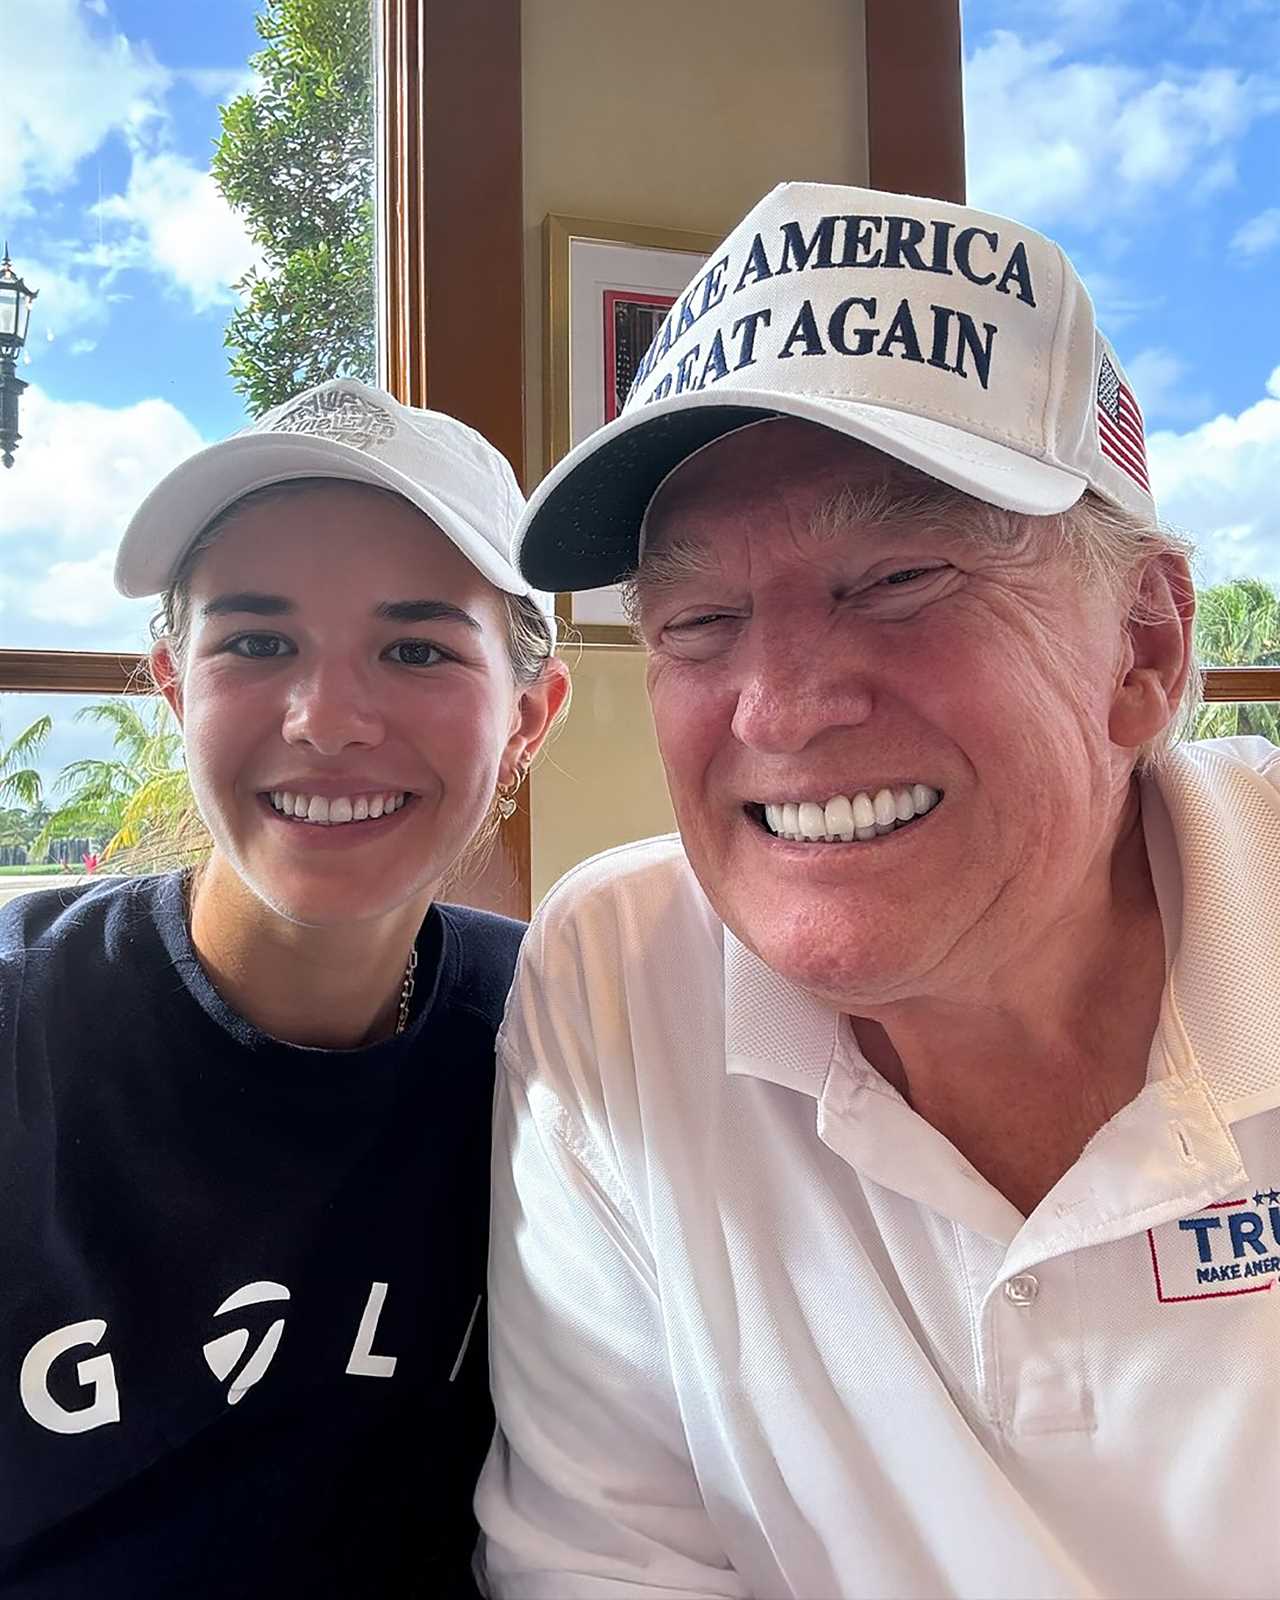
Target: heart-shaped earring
507,795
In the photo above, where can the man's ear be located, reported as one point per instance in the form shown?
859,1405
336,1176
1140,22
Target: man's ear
166,676
537,707
1159,628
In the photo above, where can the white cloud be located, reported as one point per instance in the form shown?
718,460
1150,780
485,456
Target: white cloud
219,83
65,300
71,85
1050,138
1218,482
1160,380
1116,302
1259,234
76,594
82,471
178,225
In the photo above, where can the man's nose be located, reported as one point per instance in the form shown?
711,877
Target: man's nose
792,691
330,709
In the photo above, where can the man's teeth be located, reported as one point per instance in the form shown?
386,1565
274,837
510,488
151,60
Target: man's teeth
329,813
846,817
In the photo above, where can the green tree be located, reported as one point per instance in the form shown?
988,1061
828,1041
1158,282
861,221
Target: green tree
1238,625
19,825
118,802
296,159
19,778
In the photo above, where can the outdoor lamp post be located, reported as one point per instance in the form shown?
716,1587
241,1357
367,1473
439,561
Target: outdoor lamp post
15,314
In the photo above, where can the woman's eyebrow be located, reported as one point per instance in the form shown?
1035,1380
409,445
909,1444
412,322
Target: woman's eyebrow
258,605
276,605
424,611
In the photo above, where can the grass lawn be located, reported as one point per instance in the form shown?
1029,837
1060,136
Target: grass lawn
44,870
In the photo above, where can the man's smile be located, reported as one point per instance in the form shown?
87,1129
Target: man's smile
866,814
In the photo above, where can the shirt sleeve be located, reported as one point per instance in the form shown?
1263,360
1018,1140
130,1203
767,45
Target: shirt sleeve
588,1491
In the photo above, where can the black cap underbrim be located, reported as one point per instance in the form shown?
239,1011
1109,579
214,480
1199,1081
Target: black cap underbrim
585,534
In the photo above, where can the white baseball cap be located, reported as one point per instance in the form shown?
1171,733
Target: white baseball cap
959,342
341,429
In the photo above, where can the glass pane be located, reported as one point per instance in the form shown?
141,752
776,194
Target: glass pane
89,784
1143,138
1231,718
190,189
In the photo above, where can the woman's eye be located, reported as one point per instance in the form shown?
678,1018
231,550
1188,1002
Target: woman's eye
415,653
259,646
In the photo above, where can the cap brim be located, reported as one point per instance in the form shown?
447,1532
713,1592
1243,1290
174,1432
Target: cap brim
190,496
581,528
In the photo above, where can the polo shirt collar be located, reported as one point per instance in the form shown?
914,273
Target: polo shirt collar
1224,991
772,1028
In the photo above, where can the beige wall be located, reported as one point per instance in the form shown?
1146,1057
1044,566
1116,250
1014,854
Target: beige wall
600,782
678,114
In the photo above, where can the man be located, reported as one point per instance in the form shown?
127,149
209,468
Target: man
887,1192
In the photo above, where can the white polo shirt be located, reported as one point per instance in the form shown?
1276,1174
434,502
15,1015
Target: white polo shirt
759,1330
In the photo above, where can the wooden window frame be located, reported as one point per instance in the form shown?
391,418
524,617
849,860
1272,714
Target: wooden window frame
450,263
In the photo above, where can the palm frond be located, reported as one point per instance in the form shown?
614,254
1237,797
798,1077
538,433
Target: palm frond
130,732
158,803
27,746
25,784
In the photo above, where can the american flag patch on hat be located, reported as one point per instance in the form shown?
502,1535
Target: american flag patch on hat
1120,433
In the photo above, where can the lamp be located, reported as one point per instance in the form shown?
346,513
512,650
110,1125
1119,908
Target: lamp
15,316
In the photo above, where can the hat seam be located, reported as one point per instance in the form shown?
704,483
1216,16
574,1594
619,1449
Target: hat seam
1059,333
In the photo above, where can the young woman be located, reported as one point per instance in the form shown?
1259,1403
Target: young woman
244,1111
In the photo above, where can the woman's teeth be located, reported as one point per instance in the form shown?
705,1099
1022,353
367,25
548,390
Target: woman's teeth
847,817
329,813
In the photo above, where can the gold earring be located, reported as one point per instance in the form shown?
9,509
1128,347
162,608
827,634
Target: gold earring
507,795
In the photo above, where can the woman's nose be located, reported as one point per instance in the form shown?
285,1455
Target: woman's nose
331,710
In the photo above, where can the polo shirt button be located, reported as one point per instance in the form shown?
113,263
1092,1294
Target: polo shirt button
1022,1290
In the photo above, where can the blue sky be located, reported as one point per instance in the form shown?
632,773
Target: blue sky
1143,134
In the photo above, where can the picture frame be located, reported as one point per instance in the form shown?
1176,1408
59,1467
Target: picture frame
608,287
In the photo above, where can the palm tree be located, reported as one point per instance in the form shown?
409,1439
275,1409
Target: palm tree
141,790
19,779
1238,625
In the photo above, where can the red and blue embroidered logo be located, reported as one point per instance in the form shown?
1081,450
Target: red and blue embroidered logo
1232,1247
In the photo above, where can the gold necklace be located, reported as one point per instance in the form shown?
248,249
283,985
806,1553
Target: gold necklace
187,887
406,991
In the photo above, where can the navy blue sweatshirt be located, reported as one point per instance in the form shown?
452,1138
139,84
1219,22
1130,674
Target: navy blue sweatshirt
242,1324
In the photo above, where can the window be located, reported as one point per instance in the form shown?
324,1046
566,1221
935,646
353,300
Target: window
191,192
1143,139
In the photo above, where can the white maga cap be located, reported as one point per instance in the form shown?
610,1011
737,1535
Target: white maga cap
961,343
345,430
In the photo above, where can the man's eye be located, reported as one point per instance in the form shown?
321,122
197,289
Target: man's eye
415,653
704,619
259,646
909,574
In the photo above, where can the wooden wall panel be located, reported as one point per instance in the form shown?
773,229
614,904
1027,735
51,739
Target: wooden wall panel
915,100
452,210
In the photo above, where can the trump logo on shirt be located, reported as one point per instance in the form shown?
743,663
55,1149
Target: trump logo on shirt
1232,1247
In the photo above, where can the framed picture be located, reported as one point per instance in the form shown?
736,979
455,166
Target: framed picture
609,285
